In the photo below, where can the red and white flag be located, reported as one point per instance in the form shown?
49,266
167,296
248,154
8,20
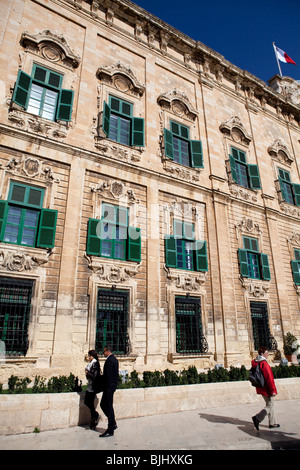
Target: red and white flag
281,55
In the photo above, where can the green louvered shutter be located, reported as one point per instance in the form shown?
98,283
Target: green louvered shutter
106,119
93,244
65,102
196,153
134,244
243,263
296,189
201,255
170,251
265,269
3,213
168,143
296,272
138,132
22,89
254,177
47,228
233,168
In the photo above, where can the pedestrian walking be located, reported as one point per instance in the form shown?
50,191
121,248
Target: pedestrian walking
110,382
268,392
93,374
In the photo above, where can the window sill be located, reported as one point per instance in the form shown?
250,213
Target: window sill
36,124
115,150
186,280
112,270
181,172
20,258
174,357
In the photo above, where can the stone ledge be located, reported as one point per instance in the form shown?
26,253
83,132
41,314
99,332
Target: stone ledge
24,413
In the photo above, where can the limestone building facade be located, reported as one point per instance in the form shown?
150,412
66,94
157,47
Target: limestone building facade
150,194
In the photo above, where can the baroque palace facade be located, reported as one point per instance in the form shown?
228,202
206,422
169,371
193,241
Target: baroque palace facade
150,195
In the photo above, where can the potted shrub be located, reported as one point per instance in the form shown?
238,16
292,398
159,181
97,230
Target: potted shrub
289,345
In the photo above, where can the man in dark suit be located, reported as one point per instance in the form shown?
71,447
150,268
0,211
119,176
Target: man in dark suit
110,382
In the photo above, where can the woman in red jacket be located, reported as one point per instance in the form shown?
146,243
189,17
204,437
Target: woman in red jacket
268,392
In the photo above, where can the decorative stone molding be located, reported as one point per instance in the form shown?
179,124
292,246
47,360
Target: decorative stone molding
186,280
235,129
32,168
115,150
181,172
35,124
243,193
116,190
177,102
52,46
22,259
112,271
255,287
279,150
247,226
122,77
294,239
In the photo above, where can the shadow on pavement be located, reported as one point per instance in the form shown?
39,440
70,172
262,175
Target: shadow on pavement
279,440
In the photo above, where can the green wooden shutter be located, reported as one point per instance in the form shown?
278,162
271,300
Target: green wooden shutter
233,168
282,188
254,177
296,189
134,244
65,102
296,273
47,228
3,214
196,154
106,119
265,269
138,132
201,255
168,143
22,89
93,244
243,263
170,251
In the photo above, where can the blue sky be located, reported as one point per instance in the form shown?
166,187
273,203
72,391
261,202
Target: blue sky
242,31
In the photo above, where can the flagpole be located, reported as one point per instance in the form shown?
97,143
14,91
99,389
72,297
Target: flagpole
277,59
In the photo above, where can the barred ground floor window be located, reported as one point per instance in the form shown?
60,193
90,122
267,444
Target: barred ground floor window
112,320
15,306
189,337
260,325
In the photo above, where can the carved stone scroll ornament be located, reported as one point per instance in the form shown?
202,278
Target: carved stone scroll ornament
52,46
280,151
115,272
122,77
35,124
19,260
178,102
31,167
115,190
235,129
255,287
185,280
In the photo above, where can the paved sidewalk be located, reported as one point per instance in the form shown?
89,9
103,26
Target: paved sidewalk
225,428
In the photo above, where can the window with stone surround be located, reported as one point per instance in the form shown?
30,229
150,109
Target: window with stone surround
41,94
296,267
253,264
111,236
120,125
23,221
290,192
182,251
180,148
242,173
